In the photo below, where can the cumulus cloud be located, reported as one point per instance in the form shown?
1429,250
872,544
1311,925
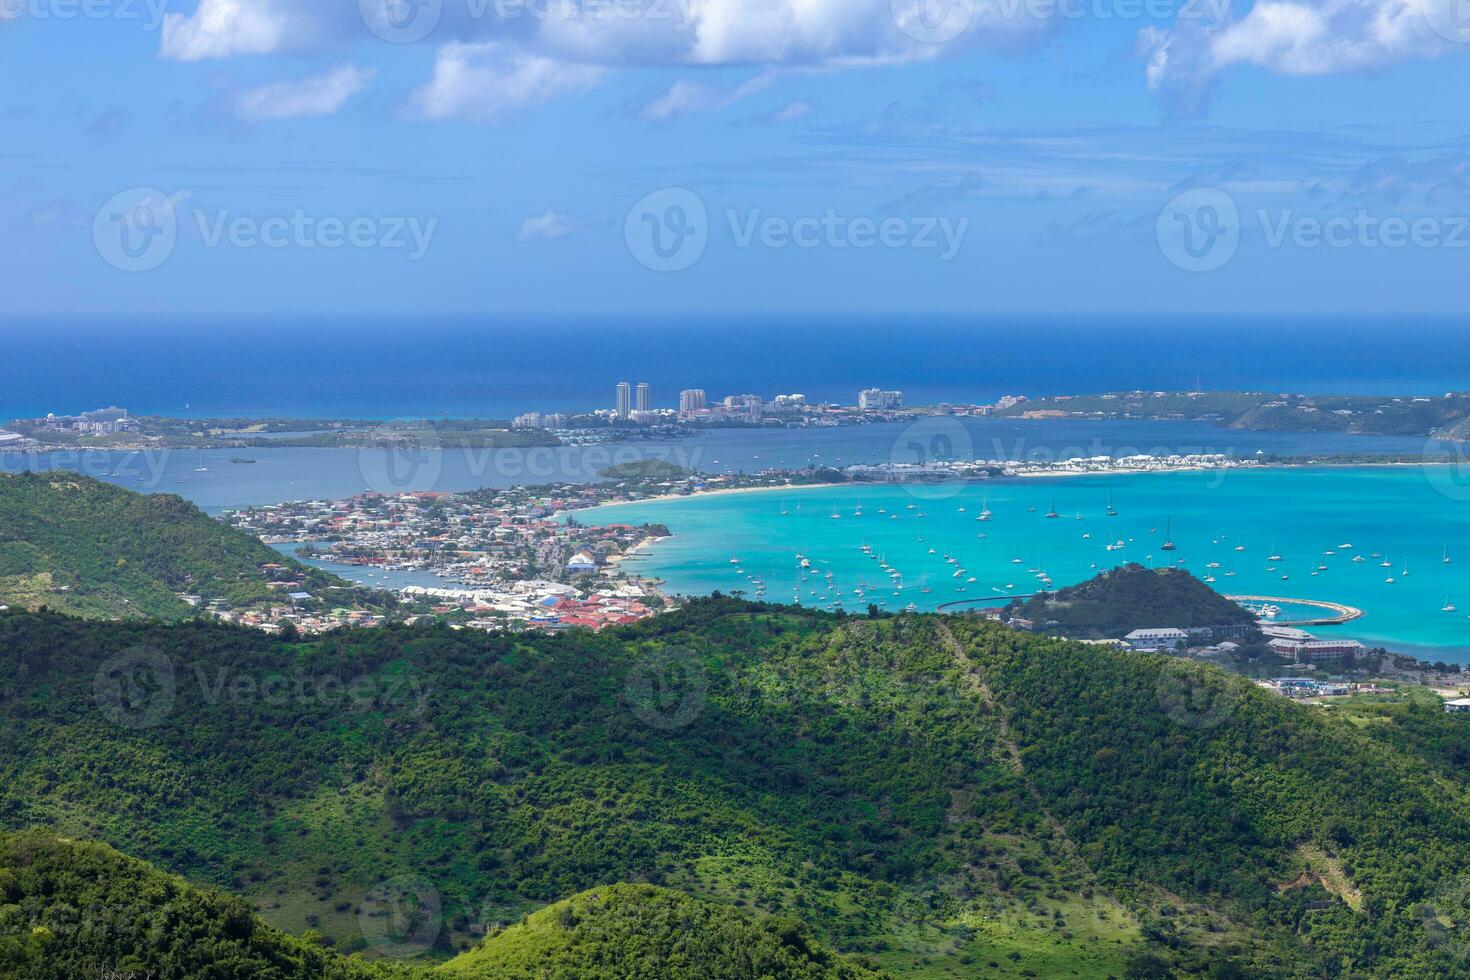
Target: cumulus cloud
484,82
320,95
1296,37
224,28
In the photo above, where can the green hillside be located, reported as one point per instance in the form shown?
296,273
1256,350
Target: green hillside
88,548
1129,597
70,909
639,932
936,797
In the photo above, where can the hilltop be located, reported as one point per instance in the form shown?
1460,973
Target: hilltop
84,547
1129,597
937,797
70,909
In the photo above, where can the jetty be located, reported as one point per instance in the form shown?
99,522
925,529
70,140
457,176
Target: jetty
1335,613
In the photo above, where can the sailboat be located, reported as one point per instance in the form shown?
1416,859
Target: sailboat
1448,605
1446,558
1168,544
1274,555
1111,511
1052,514
985,514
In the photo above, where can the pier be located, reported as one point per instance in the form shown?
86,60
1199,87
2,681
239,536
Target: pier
989,601
1337,613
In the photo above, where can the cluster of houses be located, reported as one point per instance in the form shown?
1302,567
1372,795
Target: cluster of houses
504,557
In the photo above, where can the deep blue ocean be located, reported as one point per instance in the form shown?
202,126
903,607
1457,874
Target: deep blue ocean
463,366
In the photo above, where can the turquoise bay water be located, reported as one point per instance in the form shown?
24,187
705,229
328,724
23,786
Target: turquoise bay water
1238,519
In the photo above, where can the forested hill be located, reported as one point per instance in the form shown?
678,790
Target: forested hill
934,797
70,910
1405,415
1130,597
88,548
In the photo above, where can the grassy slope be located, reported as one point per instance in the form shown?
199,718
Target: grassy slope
70,909
91,549
999,805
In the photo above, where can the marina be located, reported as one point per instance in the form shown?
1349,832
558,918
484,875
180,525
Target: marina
1292,538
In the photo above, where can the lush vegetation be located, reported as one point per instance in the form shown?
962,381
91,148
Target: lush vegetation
937,797
70,909
1364,414
646,471
81,546
1127,598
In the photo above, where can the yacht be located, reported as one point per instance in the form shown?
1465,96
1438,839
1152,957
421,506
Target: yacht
1449,606
1168,544
1111,511
1052,514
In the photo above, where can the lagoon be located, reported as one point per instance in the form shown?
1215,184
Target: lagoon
1333,528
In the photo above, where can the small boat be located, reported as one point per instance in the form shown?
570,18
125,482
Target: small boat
1449,606
985,514
1052,514
1111,511
1446,559
1168,544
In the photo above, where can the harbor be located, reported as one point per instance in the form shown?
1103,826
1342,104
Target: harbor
1363,552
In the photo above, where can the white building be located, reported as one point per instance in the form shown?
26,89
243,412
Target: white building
1457,706
582,562
1312,650
624,400
1158,639
692,400
876,399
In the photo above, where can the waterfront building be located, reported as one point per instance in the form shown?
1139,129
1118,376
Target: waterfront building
747,405
536,420
624,405
878,400
645,397
1158,639
1314,650
692,400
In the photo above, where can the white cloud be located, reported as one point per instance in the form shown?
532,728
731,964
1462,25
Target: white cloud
484,82
224,28
320,95
551,225
1296,37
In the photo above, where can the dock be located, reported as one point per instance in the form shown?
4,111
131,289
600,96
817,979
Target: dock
1337,613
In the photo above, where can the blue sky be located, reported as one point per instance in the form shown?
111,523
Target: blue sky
714,156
